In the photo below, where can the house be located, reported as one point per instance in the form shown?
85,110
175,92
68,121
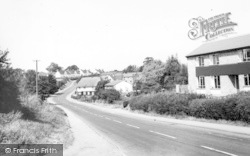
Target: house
86,86
220,67
131,77
112,76
120,85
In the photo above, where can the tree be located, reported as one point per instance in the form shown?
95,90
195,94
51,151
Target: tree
100,86
3,58
140,69
52,84
174,73
72,68
30,81
152,73
130,68
147,60
53,67
99,71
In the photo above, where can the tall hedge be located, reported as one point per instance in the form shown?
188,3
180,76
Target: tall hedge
235,107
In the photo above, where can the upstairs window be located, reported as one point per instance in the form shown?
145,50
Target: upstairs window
246,55
217,81
216,59
201,61
247,79
201,83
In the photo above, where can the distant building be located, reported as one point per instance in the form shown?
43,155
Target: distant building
86,86
131,77
111,76
119,85
220,67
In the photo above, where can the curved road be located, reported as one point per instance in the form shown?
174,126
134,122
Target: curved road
143,137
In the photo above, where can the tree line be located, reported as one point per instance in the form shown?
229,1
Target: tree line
157,75
16,84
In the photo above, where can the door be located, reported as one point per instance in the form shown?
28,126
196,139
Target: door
237,82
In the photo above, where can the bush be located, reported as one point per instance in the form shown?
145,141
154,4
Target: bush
208,108
110,95
243,108
75,96
125,104
163,103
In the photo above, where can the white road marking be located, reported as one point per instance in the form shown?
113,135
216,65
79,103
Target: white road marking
133,126
223,152
107,118
169,136
117,121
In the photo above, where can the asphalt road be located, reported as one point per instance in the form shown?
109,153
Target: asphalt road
143,137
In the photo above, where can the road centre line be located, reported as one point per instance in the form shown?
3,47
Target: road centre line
169,136
117,121
107,118
132,126
219,151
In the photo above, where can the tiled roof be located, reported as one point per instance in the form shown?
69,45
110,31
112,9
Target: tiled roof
88,81
113,83
222,45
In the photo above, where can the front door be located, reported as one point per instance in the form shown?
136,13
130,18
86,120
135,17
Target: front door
236,78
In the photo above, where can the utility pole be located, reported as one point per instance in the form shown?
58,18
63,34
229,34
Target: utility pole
36,77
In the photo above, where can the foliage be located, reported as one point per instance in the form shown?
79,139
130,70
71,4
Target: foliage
53,88
53,68
100,87
151,75
130,68
125,104
72,68
3,58
162,103
110,95
236,107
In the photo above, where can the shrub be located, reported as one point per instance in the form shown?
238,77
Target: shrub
140,102
75,96
110,95
125,104
162,103
208,108
243,108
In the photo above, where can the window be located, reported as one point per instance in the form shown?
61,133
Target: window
247,79
201,61
246,55
201,80
216,59
217,81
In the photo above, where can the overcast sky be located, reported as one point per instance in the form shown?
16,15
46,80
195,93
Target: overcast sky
106,34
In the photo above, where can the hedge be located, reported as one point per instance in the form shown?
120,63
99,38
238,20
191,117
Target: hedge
235,107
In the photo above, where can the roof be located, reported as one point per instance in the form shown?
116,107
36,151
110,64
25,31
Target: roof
88,81
113,83
222,45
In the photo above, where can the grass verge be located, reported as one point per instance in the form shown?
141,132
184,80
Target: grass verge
35,123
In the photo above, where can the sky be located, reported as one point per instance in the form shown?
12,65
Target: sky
106,34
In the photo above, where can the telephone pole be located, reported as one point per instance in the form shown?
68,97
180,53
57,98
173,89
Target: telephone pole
36,77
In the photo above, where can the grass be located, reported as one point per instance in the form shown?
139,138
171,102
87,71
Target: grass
35,123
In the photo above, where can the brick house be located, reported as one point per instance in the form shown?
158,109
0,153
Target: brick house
220,67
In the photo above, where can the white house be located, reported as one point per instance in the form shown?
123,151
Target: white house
221,67
119,85
86,86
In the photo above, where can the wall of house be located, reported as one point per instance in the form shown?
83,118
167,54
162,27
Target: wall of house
192,79
231,57
124,87
227,86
